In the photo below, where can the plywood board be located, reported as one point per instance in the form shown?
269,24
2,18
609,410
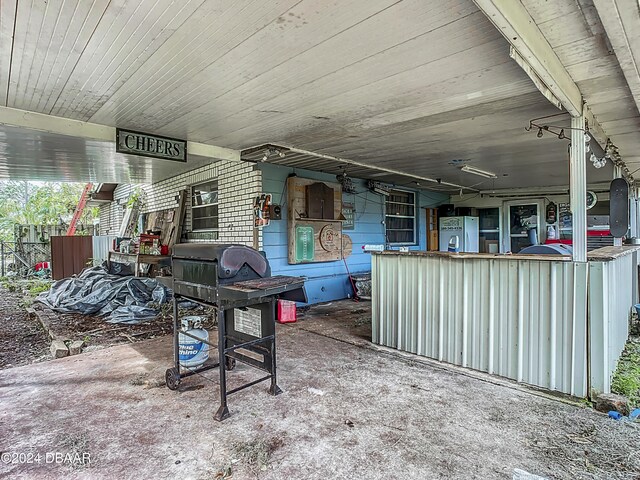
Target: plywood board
70,255
177,219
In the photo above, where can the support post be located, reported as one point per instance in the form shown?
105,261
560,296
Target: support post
578,189
617,173
634,212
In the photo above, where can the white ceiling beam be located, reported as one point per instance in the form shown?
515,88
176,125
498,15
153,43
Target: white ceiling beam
511,18
595,129
213,151
13,117
621,21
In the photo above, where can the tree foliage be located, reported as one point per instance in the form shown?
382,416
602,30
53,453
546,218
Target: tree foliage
39,203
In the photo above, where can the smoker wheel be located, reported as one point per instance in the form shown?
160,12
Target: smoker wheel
229,363
172,377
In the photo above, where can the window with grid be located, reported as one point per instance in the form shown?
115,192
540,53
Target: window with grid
204,207
400,217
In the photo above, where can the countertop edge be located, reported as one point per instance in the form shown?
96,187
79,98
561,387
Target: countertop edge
472,256
603,254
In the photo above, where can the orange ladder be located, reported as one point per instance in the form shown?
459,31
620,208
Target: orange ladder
79,209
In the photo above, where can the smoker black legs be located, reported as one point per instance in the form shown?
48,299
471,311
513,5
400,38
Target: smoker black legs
172,375
250,340
223,410
274,389
176,329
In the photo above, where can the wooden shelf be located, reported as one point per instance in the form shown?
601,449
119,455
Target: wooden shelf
302,219
137,259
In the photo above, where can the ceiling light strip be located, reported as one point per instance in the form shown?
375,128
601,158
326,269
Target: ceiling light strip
478,171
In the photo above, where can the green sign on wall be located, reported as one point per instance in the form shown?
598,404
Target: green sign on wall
305,244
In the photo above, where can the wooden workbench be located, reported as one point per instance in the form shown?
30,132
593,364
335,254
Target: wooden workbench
138,259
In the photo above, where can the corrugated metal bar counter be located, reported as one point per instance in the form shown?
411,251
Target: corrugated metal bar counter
523,317
520,317
613,290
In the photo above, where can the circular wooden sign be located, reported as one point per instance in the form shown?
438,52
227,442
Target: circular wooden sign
328,238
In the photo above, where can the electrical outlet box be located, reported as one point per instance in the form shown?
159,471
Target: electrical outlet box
275,212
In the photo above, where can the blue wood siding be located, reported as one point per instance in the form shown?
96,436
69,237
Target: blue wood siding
329,281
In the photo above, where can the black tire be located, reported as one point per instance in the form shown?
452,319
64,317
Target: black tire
172,378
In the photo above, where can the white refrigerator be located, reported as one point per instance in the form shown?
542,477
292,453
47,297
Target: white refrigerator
466,229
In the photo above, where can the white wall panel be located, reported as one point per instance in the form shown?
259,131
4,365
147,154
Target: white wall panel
613,290
101,246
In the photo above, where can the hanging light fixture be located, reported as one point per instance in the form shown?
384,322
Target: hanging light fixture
557,130
597,162
478,171
269,152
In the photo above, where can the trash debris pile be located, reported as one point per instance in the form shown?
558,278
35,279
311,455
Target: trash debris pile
633,416
95,291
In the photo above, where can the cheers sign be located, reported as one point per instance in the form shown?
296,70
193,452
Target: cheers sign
137,143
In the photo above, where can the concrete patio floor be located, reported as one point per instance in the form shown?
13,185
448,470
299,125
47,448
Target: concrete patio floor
348,411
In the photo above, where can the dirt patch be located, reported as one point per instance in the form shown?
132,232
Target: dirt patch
586,447
75,447
96,332
253,456
22,339
149,380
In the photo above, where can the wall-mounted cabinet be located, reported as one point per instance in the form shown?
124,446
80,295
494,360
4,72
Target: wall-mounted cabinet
315,221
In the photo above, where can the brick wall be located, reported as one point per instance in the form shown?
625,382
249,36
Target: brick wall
238,185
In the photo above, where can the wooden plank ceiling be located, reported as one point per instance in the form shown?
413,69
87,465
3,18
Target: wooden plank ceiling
574,30
413,84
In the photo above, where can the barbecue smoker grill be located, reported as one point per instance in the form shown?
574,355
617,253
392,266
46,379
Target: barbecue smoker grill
237,281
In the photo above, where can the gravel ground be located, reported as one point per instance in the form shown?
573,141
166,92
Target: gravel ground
22,339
